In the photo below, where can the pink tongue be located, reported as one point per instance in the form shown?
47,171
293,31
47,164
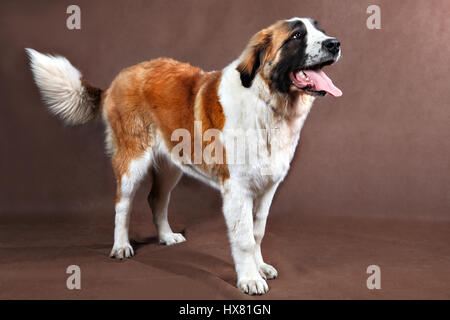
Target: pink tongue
322,82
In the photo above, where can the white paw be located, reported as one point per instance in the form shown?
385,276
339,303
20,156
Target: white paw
253,286
171,238
267,271
122,251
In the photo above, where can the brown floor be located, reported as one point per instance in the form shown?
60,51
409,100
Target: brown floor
316,259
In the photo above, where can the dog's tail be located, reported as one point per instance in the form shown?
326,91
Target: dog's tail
67,94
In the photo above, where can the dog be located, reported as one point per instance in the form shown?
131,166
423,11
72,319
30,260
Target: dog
148,107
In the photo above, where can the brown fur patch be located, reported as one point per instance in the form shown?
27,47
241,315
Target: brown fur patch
128,119
92,94
254,55
212,115
210,112
159,96
262,49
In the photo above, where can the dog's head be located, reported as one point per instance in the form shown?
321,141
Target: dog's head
289,56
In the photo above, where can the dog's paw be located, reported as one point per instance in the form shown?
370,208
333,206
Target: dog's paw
253,286
267,271
169,239
120,252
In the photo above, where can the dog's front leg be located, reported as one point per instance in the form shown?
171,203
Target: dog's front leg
237,209
261,212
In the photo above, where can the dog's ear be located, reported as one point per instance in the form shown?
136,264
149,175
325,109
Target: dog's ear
253,56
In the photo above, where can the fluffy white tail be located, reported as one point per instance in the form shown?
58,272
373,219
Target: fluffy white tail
63,89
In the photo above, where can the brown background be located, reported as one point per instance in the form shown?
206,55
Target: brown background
371,173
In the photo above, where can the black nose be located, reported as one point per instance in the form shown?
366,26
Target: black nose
332,45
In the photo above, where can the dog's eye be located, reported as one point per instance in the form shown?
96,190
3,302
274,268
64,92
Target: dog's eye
296,35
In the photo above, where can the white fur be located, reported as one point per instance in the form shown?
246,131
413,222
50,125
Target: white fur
248,193
128,186
61,88
130,182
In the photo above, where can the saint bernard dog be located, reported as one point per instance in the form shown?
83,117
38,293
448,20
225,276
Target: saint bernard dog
270,87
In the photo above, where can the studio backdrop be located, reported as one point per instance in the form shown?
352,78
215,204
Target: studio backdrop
381,152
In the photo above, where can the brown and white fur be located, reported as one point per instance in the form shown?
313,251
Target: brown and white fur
147,102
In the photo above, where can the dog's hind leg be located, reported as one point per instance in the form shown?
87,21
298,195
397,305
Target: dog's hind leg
129,171
165,177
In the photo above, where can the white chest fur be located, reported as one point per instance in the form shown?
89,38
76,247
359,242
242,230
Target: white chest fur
253,113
